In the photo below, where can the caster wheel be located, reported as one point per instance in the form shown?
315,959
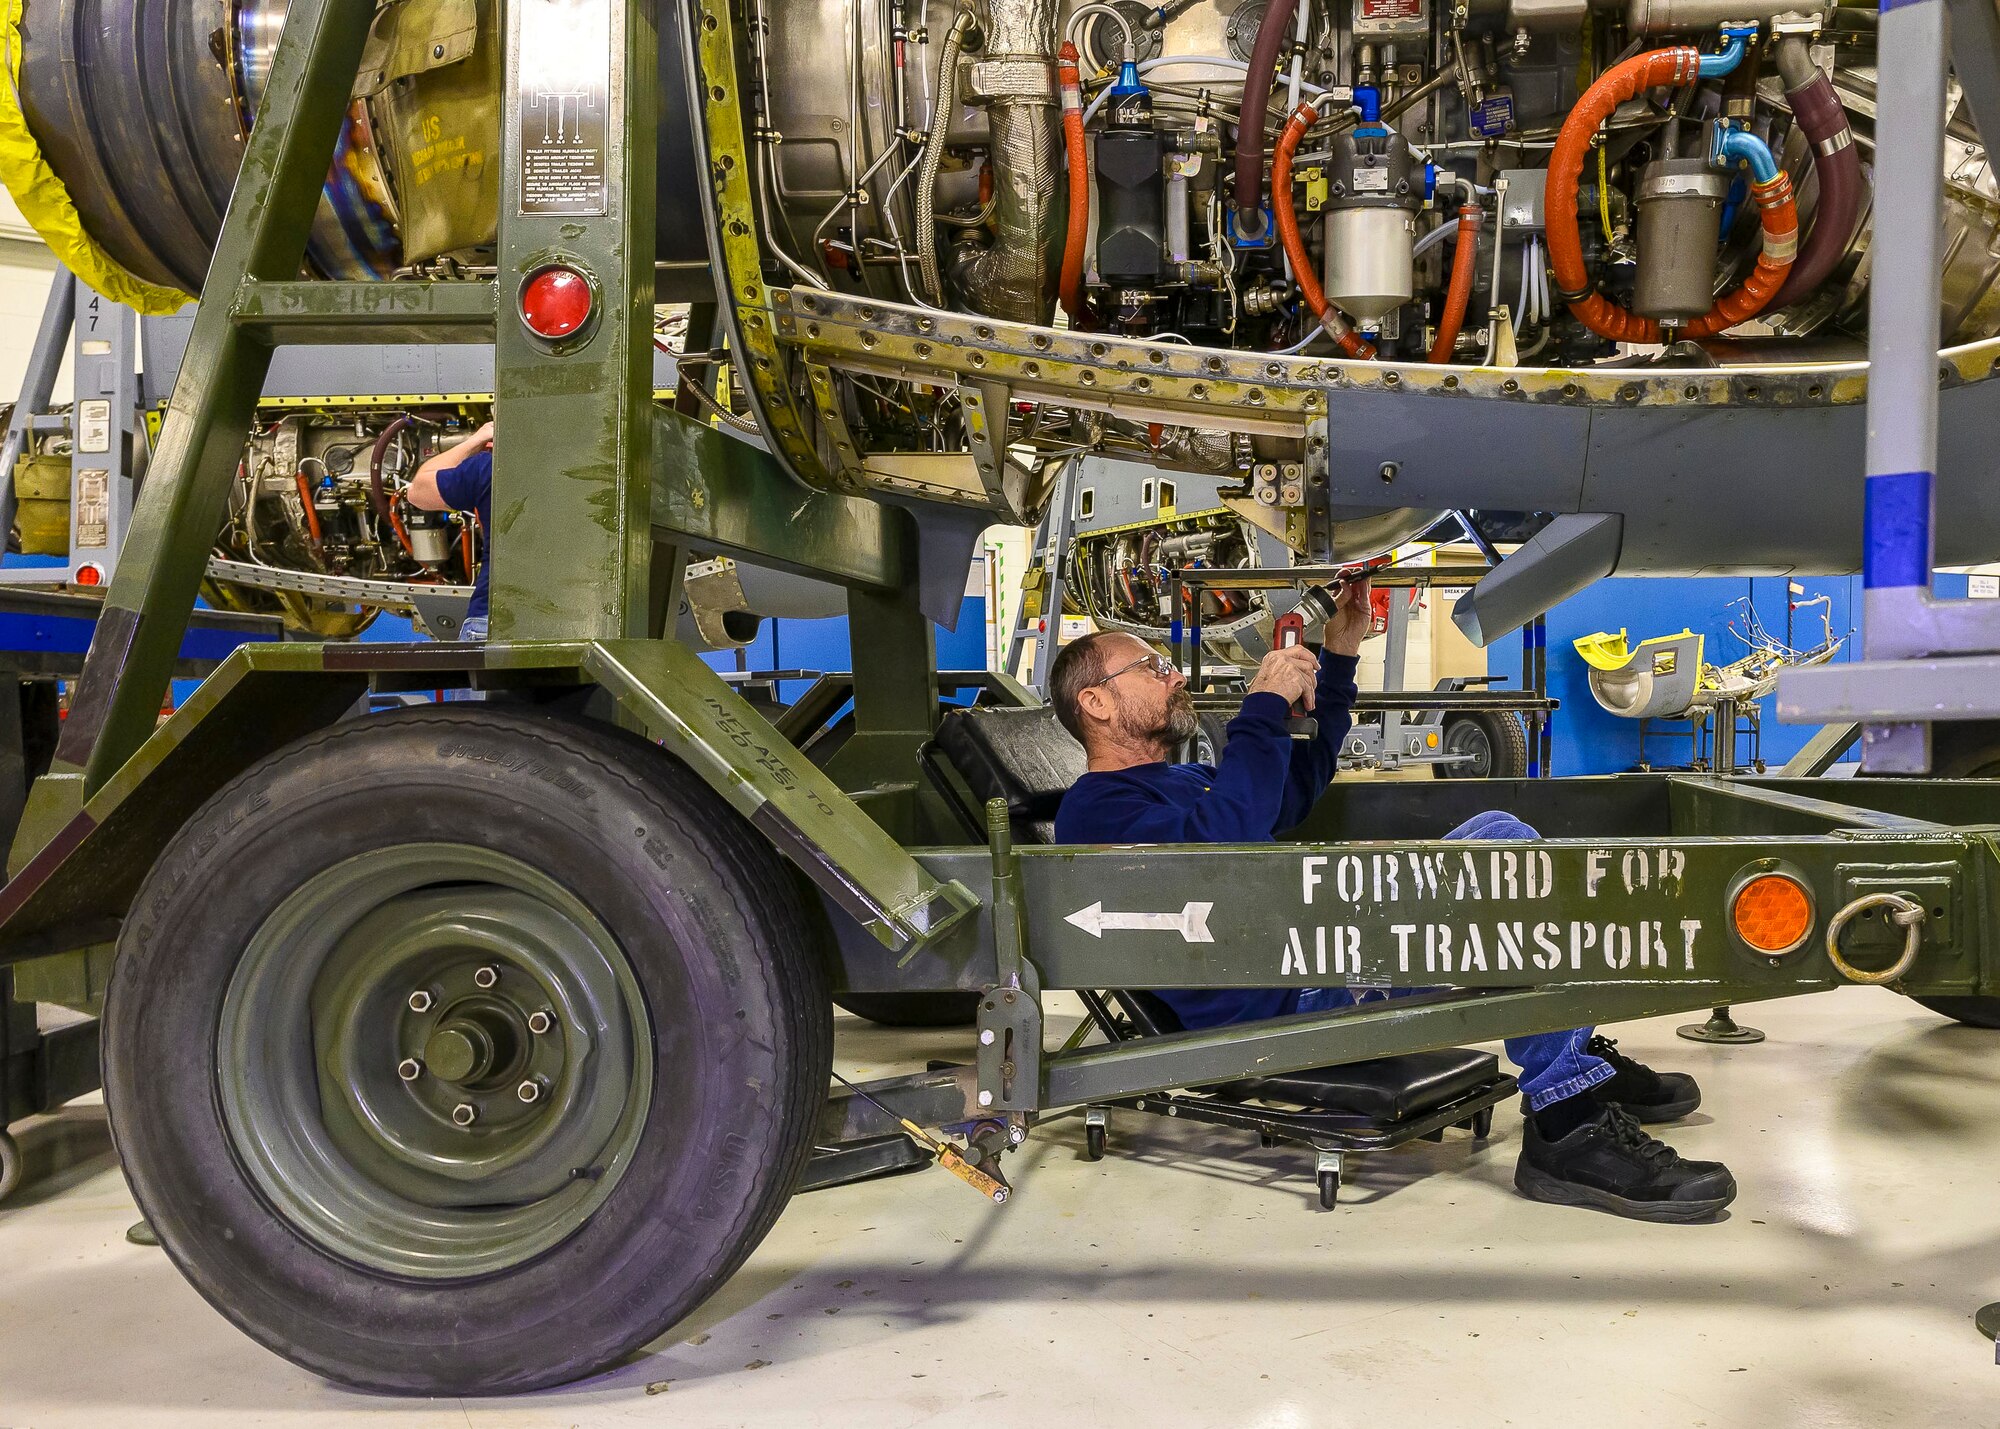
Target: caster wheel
1329,1189
10,1164
1266,1140
1482,1123
1093,1143
1437,1135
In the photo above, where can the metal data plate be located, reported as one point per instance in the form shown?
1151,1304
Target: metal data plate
563,89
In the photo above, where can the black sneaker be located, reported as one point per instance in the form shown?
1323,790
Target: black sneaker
1611,1164
1648,1095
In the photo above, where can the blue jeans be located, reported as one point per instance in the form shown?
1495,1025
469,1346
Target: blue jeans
1553,1064
475,629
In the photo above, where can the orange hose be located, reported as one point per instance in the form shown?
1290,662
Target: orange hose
1078,232
1674,66
306,497
1459,296
1310,292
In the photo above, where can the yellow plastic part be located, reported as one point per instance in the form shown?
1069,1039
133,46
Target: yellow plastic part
1603,651
46,204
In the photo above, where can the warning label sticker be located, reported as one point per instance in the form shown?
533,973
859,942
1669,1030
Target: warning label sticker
93,509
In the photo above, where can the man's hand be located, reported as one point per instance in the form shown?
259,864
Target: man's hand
1292,672
1352,617
480,439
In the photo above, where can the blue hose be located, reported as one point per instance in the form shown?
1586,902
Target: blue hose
1733,38
1732,145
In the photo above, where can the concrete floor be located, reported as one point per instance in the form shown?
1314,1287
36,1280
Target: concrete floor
1188,1279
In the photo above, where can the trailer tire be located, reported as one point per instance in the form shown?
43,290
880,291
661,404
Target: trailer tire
677,990
1495,740
1966,749
912,1009
1211,737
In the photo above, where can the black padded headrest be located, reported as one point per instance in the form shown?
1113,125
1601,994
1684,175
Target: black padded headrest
1023,757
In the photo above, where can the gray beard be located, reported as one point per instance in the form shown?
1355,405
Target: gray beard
1182,722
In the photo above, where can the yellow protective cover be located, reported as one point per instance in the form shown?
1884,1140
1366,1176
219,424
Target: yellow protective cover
46,204
1603,651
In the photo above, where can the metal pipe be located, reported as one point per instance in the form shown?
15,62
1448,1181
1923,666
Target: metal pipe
1111,12
1014,279
927,172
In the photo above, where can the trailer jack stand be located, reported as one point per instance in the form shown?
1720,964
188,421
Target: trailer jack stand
1721,1029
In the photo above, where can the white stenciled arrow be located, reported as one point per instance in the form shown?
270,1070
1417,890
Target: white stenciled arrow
1191,922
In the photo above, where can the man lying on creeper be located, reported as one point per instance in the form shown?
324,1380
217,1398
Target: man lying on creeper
1582,1144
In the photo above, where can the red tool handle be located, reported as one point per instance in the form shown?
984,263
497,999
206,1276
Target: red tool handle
1290,630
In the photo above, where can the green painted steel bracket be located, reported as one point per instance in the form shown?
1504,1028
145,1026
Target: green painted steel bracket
679,701
733,498
117,699
79,862
1557,913
367,312
1377,1029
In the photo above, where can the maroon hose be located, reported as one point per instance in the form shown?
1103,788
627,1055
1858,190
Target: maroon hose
1831,143
1248,185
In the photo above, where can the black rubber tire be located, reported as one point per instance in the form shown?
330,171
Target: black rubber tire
1329,1190
1093,1143
725,956
1965,749
1482,1123
1505,744
1211,736
912,1009
1972,1011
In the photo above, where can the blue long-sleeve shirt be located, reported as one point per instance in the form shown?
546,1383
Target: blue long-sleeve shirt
1265,783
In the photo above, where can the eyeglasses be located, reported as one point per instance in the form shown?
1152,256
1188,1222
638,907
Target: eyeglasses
1160,666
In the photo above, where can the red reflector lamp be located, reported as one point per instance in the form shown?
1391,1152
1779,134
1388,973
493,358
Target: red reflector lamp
556,303
90,575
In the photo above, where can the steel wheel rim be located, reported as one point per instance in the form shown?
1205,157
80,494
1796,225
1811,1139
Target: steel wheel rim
1468,737
322,1019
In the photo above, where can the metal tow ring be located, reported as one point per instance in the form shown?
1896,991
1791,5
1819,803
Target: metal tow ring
1905,913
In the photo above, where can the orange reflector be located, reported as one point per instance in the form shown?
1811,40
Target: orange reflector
1772,913
90,575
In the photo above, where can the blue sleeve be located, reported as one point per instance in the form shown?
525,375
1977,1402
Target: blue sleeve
1240,805
1315,761
469,485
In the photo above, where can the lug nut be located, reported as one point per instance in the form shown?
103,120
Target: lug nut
464,1114
420,1001
539,1023
486,976
529,1091
409,1069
